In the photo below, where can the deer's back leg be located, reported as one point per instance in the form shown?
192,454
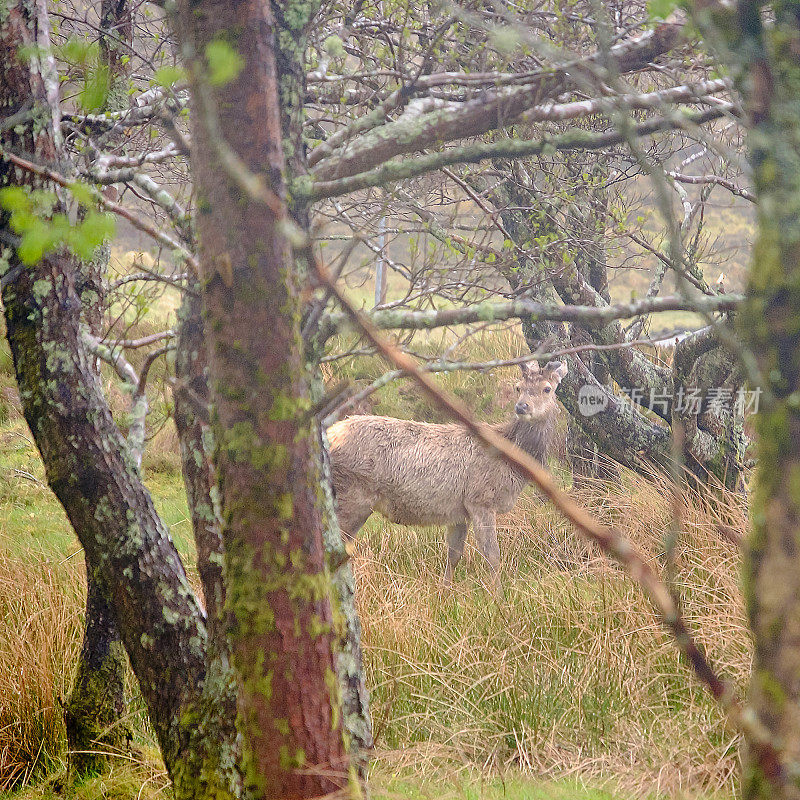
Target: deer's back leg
456,536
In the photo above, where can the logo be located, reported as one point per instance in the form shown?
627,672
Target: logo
591,400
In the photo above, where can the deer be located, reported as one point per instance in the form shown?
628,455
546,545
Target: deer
422,474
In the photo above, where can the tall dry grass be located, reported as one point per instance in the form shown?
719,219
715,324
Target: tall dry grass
573,673
40,636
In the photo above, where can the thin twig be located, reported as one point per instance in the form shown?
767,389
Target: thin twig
115,208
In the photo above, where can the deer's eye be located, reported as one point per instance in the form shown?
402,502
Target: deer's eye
547,390
517,387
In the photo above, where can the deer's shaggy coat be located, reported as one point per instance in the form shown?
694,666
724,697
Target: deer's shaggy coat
418,473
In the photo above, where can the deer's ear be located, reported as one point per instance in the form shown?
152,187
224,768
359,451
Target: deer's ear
558,368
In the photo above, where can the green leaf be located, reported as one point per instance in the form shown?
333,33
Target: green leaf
334,47
95,88
78,51
82,193
35,241
504,39
224,63
168,76
90,234
661,9
15,199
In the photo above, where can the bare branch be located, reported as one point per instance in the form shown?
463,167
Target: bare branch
492,110
506,148
115,208
525,308
730,185
132,344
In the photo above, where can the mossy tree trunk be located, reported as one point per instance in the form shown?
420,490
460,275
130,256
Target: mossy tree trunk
94,711
764,58
85,456
217,712
278,602
586,222
194,436
292,21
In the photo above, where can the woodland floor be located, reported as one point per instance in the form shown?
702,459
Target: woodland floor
570,688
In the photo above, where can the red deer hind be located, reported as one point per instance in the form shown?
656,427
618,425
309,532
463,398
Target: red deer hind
418,473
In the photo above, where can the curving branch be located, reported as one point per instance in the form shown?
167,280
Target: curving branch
714,180
317,189
135,384
145,226
493,110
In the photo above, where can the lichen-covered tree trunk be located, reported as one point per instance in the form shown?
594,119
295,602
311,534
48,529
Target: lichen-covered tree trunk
94,711
771,326
278,602
292,21
216,714
587,219
764,61
194,437
85,457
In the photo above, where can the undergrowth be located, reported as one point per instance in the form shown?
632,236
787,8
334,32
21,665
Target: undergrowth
570,678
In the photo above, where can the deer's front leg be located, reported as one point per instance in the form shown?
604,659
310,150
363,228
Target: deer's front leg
484,523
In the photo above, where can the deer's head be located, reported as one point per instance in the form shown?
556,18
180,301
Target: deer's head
537,389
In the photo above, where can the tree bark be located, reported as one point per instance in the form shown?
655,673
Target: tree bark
765,65
85,456
217,708
94,712
278,603
587,218
292,31
96,704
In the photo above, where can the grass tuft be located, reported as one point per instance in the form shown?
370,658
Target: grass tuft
40,609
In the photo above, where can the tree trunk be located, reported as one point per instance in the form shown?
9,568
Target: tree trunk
765,64
292,30
770,324
85,456
217,713
94,712
96,703
194,435
278,603
587,218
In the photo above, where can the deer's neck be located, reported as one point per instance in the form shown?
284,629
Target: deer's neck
532,437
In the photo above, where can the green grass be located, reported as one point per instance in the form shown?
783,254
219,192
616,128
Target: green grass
125,782
514,788
33,523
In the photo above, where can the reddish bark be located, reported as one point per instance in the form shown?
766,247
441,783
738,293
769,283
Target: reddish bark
278,592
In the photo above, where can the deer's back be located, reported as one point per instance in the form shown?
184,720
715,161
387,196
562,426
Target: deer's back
418,473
